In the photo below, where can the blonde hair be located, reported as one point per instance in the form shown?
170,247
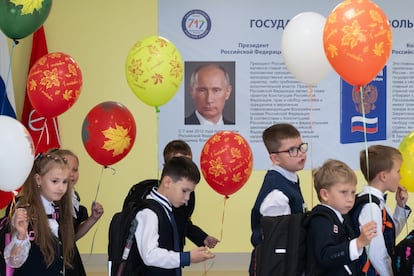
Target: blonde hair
331,173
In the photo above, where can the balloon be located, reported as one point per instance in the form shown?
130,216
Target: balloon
407,167
154,70
302,48
53,84
108,132
226,162
16,153
19,19
357,39
7,197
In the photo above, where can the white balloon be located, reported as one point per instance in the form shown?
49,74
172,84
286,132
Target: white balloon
16,153
302,47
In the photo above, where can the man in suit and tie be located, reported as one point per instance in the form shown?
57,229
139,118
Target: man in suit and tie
210,88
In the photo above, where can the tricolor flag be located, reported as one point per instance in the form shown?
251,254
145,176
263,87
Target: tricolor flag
44,131
7,104
364,118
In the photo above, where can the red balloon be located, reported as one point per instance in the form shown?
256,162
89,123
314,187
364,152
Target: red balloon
357,40
53,84
226,162
108,132
7,197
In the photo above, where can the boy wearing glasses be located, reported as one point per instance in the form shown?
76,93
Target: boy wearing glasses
280,192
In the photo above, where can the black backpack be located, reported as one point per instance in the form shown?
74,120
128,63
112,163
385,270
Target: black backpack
123,254
139,191
283,248
403,259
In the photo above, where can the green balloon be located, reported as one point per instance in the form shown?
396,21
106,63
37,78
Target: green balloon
18,20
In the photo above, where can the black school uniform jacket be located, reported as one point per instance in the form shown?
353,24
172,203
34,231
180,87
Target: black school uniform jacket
328,245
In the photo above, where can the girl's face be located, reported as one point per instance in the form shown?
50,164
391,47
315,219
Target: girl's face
74,169
54,184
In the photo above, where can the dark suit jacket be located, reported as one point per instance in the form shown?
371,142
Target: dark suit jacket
193,120
328,245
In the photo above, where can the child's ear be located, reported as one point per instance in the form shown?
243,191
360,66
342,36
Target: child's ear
38,179
275,158
323,194
382,176
167,181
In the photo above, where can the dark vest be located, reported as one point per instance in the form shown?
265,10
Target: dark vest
274,180
166,239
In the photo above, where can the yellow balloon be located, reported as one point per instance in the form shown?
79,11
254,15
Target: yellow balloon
154,70
407,168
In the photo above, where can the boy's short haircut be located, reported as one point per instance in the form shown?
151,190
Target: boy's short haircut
380,158
330,173
273,136
181,167
175,147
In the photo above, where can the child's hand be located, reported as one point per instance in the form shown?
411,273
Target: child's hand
211,242
401,196
20,223
97,210
368,232
200,254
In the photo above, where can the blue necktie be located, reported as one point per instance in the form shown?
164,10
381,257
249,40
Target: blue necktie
176,239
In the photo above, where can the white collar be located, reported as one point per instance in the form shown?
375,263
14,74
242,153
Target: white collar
48,205
374,191
292,176
204,121
338,214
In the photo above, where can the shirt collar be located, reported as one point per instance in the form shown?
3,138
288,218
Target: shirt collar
338,214
374,191
48,205
288,174
204,121
154,194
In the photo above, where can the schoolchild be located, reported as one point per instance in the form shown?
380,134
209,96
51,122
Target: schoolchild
332,246
280,192
381,166
42,227
156,234
81,220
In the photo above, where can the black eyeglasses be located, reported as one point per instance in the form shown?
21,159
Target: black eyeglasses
294,151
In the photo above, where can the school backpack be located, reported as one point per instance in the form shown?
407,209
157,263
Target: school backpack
123,255
403,259
283,247
139,191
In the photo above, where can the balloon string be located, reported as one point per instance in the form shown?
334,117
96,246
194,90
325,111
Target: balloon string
157,112
100,179
222,217
311,140
361,92
8,76
96,197
41,135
